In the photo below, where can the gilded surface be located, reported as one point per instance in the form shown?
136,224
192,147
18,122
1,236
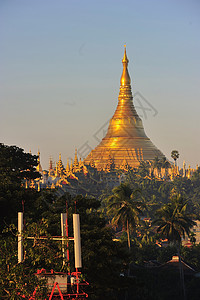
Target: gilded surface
125,140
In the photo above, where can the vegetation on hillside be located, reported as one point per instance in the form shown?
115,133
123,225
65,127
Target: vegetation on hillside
142,211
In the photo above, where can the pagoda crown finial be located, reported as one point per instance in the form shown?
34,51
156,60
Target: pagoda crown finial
38,156
125,78
125,58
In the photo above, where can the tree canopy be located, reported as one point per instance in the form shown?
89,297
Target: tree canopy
15,167
105,254
174,221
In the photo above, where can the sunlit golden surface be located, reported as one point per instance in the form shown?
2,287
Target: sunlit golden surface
125,139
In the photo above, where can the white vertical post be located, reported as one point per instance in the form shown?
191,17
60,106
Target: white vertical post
77,241
63,233
20,238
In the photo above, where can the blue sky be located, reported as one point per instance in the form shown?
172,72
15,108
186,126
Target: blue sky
61,66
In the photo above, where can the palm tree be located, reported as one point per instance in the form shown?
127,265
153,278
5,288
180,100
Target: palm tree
143,169
160,163
157,165
175,155
126,210
165,163
147,235
174,222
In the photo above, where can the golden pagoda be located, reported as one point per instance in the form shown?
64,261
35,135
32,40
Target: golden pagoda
125,140
39,167
59,167
76,164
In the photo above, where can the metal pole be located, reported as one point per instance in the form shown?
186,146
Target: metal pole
67,232
63,233
77,281
20,238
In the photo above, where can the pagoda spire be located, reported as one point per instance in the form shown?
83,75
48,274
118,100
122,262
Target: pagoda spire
38,155
125,120
125,78
39,167
76,159
56,172
67,167
60,168
38,159
125,140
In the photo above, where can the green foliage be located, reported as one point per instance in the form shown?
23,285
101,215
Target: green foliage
125,209
173,220
192,255
145,233
153,190
16,279
103,257
41,253
175,155
146,252
165,253
15,166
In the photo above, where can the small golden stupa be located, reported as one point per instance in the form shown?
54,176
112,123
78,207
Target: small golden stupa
125,142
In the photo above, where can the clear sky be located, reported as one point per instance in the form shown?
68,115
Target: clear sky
61,66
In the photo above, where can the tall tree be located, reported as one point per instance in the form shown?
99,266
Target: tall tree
157,163
15,166
174,222
165,163
175,155
125,208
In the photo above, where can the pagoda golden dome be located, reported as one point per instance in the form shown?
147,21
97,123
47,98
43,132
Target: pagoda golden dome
125,139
